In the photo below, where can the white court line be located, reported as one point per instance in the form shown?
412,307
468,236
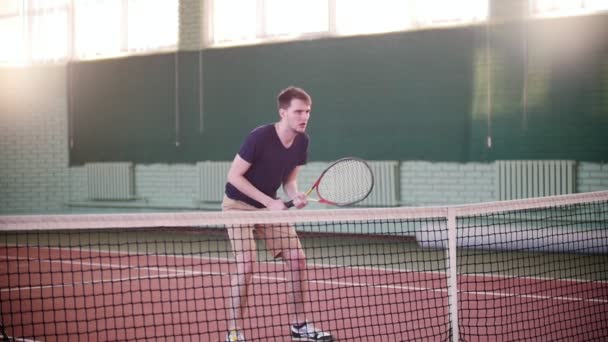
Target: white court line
11,338
171,272
176,272
330,266
474,275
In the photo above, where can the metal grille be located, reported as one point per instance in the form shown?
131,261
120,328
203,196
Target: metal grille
386,186
212,180
110,181
534,178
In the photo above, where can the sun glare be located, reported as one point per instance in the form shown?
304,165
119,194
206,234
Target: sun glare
561,8
233,20
143,29
97,28
11,36
54,30
357,16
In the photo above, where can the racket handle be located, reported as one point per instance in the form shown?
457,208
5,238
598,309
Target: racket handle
289,204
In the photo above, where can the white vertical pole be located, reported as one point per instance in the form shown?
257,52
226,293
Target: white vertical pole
200,90
452,274
176,95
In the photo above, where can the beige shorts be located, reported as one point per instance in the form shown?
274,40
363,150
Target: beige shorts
278,238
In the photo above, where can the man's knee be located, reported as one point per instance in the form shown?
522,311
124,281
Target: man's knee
245,262
296,258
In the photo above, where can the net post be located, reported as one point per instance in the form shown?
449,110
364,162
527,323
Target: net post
452,274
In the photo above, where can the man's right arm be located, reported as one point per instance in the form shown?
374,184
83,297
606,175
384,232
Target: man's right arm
236,177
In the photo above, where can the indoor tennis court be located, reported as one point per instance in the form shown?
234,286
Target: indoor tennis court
440,167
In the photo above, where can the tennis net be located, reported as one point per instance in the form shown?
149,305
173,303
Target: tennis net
528,269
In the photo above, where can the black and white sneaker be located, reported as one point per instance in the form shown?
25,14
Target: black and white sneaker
235,335
306,332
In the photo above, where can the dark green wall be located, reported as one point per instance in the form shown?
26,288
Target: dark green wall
418,95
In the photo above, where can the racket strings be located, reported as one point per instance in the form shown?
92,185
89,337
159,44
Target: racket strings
346,182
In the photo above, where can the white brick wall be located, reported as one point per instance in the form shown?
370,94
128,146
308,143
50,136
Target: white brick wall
78,184
166,185
33,139
441,183
156,185
592,177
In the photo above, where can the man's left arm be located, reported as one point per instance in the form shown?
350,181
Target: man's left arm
290,186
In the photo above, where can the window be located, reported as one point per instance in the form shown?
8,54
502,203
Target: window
116,27
152,25
48,23
364,16
11,32
233,22
563,8
359,16
34,31
248,21
294,17
97,28
441,12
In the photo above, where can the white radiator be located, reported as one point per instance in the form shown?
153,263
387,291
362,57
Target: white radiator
534,178
212,180
387,185
110,181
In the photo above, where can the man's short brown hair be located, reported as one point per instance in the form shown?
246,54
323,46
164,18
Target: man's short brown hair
290,93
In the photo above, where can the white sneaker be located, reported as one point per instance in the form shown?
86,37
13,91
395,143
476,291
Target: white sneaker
235,335
306,332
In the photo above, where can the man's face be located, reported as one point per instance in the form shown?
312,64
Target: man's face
296,115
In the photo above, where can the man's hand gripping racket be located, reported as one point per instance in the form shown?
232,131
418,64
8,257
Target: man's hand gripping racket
345,182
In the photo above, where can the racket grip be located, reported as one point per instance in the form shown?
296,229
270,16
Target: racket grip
289,204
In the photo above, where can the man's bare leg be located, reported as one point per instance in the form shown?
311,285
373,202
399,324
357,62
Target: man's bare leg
239,288
296,262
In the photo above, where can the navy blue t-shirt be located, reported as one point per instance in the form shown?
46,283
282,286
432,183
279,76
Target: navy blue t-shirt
270,161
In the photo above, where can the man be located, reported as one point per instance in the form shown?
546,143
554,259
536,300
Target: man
271,156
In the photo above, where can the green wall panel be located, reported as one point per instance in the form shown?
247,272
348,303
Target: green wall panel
419,95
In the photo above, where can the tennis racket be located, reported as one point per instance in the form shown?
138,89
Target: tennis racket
345,182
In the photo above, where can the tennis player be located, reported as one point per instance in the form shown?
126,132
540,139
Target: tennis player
271,156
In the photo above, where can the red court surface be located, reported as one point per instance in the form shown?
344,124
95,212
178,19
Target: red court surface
75,295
